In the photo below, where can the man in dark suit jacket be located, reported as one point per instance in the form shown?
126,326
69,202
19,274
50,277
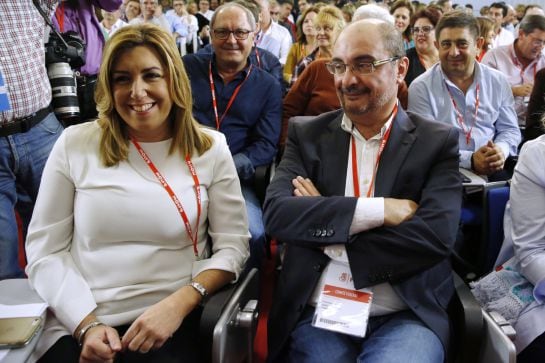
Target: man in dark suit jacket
404,256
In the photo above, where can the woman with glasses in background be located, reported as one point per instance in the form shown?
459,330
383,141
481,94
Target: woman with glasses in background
424,54
314,92
328,24
402,11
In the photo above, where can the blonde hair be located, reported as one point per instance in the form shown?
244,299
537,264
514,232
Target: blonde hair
330,15
187,135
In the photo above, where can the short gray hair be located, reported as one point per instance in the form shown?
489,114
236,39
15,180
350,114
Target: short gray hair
249,15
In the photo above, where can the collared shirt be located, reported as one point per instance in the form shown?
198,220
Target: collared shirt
276,40
81,18
252,124
369,214
505,37
505,60
430,96
22,57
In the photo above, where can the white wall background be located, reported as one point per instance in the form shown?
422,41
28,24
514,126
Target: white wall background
477,4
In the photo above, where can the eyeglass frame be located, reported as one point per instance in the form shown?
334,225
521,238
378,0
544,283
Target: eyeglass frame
535,41
374,65
246,33
417,30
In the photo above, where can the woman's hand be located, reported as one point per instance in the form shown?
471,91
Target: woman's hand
159,322
100,344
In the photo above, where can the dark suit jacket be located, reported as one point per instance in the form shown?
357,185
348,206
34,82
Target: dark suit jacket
420,162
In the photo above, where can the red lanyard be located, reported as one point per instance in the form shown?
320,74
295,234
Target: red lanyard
231,100
60,16
258,58
481,55
355,174
459,115
519,65
177,203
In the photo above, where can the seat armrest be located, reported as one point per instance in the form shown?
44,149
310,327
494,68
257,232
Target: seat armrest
503,324
467,319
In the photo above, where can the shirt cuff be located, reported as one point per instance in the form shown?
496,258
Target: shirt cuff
465,159
369,214
504,148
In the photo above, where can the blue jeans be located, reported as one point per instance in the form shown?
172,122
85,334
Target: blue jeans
22,159
398,337
257,228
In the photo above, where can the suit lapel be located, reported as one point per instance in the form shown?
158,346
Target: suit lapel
394,154
333,152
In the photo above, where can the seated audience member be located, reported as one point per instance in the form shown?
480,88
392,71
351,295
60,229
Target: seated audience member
131,10
373,11
498,12
368,195
487,32
149,15
328,23
121,278
402,11
524,249
272,36
348,10
305,44
110,22
259,57
189,43
204,9
474,98
240,100
520,61
425,53
536,108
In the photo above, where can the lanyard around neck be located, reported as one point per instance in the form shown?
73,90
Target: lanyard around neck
231,100
355,174
193,237
460,116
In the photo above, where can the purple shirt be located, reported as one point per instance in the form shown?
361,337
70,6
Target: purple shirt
83,20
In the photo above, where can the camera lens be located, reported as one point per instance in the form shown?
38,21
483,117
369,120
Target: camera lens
64,90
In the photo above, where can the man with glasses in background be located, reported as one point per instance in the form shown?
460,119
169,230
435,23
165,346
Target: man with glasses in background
241,100
366,200
521,61
474,98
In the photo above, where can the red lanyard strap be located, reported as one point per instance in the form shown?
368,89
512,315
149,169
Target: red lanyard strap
59,14
231,100
194,238
460,117
355,174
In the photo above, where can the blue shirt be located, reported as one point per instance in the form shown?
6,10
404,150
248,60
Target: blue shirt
252,124
496,117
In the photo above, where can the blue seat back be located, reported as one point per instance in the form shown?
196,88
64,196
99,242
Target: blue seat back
496,200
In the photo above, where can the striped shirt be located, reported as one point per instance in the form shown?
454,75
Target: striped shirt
22,57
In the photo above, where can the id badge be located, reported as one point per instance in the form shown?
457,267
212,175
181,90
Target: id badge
340,307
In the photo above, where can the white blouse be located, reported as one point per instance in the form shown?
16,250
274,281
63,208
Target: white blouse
110,240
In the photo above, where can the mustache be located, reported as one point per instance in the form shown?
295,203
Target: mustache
354,90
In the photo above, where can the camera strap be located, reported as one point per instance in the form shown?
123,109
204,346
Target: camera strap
47,21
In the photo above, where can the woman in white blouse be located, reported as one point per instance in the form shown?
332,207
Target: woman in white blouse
139,215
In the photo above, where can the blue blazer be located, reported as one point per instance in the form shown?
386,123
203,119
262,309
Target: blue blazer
420,163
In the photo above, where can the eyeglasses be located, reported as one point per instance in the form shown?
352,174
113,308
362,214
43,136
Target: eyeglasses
223,34
339,68
275,12
425,29
536,42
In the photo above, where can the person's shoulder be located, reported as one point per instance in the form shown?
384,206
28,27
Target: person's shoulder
534,150
82,134
195,60
426,79
262,79
491,75
320,123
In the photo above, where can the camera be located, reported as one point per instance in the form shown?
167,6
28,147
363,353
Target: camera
62,54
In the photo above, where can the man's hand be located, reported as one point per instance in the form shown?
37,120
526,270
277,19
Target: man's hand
304,188
100,344
488,159
397,211
524,90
